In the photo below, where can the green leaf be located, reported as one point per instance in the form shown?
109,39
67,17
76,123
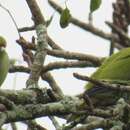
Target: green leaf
94,5
48,22
65,18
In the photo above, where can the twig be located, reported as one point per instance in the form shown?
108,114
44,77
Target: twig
19,69
87,27
49,78
9,104
27,54
30,96
3,118
28,45
106,84
25,29
55,123
67,64
112,46
55,65
119,31
32,124
11,18
45,76
53,44
31,111
98,123
89,102
73,55
13,126
59,52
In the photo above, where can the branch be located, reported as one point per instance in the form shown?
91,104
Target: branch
8,103
33,47
55,65
25,29
59,52
87,27
55,123
27,112
19,68
32,125
51,81
26,96
98,123
53,44
119,31
45,76
41,46
75,56
101,83
13,126
36,12
3,118
93,122
67,64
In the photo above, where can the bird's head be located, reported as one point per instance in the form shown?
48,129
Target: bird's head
2,42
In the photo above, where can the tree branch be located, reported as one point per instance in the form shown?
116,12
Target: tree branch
27,112
104,83
41,46
87,27
75,56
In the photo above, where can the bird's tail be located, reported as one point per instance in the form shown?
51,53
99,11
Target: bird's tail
96,90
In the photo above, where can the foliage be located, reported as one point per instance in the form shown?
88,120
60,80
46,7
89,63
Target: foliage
94,5
91,109
65,18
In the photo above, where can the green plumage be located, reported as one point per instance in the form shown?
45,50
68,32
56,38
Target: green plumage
4,65
2,42
4,60
115,69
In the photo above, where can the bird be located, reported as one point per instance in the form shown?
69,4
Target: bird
115,70
4,60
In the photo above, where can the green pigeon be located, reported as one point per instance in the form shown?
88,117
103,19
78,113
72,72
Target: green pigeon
4,60
116,70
